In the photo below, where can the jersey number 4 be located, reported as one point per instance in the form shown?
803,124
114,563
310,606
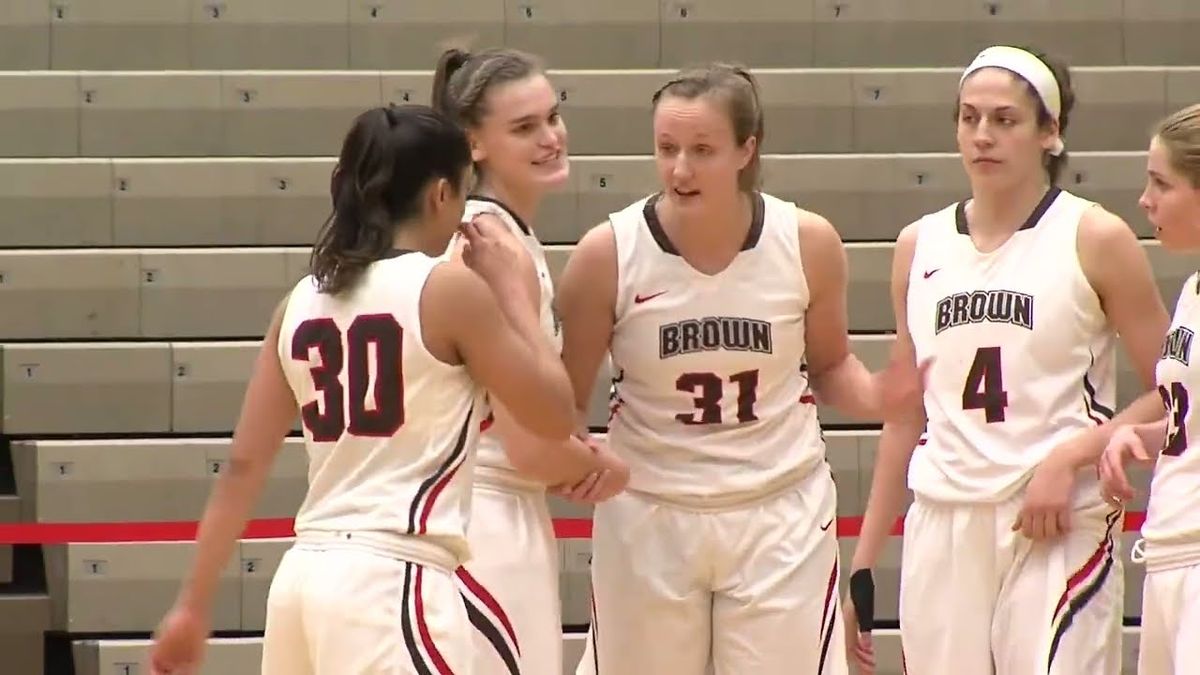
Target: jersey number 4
985,385
1175,399
327,418
708,390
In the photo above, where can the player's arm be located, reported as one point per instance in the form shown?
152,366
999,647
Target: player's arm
498,337
586,302
533,456
1118,268
268,411
838,377
901,432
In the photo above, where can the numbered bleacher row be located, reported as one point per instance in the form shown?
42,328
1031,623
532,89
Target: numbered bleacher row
230,292
334,34
239,113
75,203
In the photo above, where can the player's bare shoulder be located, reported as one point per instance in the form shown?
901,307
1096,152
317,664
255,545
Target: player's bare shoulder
1104,241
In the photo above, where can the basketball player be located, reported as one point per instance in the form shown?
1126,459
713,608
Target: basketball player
383,350
519,147
1171,544
1018,293
725,312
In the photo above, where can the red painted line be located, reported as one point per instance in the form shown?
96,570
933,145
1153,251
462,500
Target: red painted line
274,528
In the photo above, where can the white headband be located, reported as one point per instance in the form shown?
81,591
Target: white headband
1029,68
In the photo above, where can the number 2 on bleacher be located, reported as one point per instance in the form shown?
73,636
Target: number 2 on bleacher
326,418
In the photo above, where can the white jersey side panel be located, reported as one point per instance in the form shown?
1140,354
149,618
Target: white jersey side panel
493,462
710,399
1172,527
1023,355
390,430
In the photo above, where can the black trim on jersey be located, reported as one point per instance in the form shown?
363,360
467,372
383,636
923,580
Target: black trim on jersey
428,483
960,212
1077,604
757,217
517,219
396,253
406,621
492,634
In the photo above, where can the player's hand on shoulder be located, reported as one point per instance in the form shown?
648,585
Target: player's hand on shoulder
1046,508
1124,445
496,255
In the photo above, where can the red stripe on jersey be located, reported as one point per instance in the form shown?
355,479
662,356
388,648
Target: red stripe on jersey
423,628
433,495
490,602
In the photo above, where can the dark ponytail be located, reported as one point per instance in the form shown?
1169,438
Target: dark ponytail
388,158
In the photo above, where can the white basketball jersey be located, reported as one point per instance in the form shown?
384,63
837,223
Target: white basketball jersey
390,430
1023,353
1172,524
711,400
493,462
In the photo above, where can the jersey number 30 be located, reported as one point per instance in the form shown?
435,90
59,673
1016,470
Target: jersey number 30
709,389
327,418
985,385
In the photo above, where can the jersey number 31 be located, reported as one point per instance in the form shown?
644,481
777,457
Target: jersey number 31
327,418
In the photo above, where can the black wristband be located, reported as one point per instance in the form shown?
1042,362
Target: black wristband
862,594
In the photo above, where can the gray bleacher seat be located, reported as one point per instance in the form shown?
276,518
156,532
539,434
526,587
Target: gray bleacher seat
270,34
50,202
258,558
921,184
756,33
868,288
1161,32
1183,84
608,112
180,202
1116,108
410,34
904,110
287,486
25,35
87,388
1115,180
99,298
39,114
1082,32
573,648
110,480
289,202
806,111
24,618
605,185
841,450
211,292
878,32
407,87
128,586
840,188
222,656
575,581
209,384
150,114
119,34
584,34
305,113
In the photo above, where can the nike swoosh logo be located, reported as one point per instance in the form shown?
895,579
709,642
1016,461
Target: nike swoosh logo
826,525
931,272
639,299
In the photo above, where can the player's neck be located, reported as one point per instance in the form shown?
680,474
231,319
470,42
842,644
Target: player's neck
720,224
1004,211
523,203
411,236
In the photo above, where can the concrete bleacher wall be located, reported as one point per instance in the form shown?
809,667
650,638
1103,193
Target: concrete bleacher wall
164,165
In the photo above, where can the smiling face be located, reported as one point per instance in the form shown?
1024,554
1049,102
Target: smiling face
1171,200
696,150
999,138
522,139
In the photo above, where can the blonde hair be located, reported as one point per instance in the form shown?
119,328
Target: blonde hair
738,90
1180,135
